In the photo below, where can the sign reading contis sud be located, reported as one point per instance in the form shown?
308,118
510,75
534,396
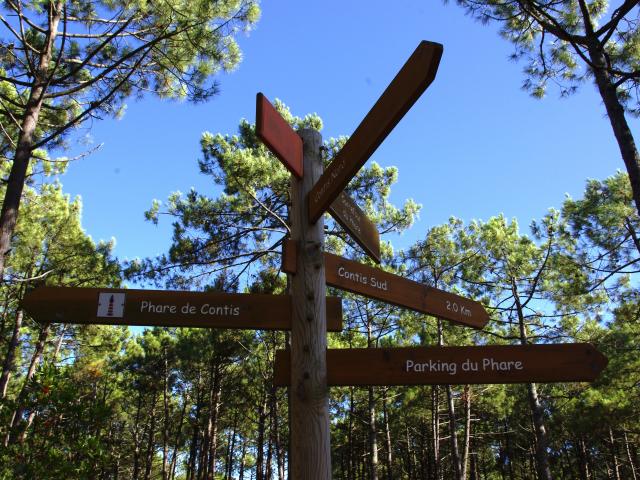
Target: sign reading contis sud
403,91
380,285
168,308
568,362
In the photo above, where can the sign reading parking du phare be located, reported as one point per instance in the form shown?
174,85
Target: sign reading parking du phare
168,308
569,362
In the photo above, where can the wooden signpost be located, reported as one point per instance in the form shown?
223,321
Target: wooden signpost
380,285
308,367
569,362
410,82
168,308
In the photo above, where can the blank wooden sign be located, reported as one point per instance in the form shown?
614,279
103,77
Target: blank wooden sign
278,136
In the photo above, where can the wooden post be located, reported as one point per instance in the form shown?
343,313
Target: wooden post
310,449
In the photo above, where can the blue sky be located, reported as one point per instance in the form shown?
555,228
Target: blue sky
474,145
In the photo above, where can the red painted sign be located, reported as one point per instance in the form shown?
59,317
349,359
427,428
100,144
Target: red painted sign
278,136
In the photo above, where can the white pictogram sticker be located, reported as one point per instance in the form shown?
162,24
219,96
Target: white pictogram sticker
111,305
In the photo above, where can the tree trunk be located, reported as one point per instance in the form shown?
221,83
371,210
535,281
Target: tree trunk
629,456
137,439
212,430
373,442
243,452
453,438
262,420
435,430
26,139
193,449
268,468
10,357
165,426
409,467
542,458
351,465
583,466
56,351
151,433
16,418
276,433
387,436
174,455
231,445
615,111
467,431
614,455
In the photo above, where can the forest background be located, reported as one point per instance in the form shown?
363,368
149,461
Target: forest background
484,160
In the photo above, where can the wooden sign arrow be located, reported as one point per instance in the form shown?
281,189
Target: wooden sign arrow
407,86
570,362
380,285
278,136
168,308
347,213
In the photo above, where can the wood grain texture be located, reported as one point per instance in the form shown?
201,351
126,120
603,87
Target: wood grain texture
380,285
278,136
310,448
356,223
171,308
571,362
403,91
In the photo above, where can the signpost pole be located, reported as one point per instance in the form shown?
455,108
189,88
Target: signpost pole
310,450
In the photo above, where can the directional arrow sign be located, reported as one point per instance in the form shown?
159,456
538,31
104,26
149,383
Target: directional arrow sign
380,285
168,308
410,82
570,362
347,213
278,136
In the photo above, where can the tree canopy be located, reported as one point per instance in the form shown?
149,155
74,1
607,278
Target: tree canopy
63,63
